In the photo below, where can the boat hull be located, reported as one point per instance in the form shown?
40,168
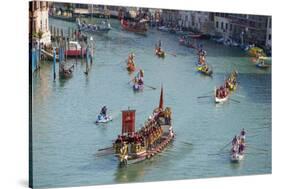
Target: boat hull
103,120
236,157
135,30
165,140
204,72
221,100
138,88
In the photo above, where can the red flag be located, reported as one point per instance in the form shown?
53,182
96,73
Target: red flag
128,121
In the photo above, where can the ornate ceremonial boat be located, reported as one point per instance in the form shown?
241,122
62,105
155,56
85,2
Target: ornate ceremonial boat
136,27
135,146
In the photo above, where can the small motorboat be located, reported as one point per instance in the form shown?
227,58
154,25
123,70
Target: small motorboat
103,119
74,49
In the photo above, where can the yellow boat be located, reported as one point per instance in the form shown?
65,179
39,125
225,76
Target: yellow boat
256,52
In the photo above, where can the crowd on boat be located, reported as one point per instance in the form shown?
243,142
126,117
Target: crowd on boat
138,81
131,62
104,26
158,50
238,146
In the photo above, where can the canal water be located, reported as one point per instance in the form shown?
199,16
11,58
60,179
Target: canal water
66,140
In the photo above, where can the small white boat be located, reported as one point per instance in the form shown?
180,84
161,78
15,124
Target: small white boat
220,100
103,119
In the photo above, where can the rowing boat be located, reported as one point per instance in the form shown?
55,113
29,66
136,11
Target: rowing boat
220,99
160,53
205,69
237,151
131,67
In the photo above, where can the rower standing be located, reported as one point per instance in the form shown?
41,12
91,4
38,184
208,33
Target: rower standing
103,111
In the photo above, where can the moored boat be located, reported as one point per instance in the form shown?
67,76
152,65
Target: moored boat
136,27
135,146
64,72
74,49
102,27
262,65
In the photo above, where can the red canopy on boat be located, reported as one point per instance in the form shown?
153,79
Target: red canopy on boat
128,121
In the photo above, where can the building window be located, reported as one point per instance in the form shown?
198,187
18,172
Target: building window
226,26
217,24
222,25
270,23
230,27
269,37
41,25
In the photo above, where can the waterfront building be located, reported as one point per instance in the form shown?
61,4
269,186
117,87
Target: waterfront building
170,17
39,21
196,21
249,29
223,26
268,33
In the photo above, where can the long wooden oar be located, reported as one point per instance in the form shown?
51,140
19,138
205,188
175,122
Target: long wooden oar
258,149
150,87
217,154
234,100
204,96
187,143
225,146
174,54
102,149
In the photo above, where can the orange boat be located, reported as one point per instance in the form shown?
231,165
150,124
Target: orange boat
131,67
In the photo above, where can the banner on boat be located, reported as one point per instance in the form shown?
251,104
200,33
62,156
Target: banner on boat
128,121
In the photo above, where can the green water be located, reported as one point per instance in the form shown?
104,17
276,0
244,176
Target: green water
66,140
